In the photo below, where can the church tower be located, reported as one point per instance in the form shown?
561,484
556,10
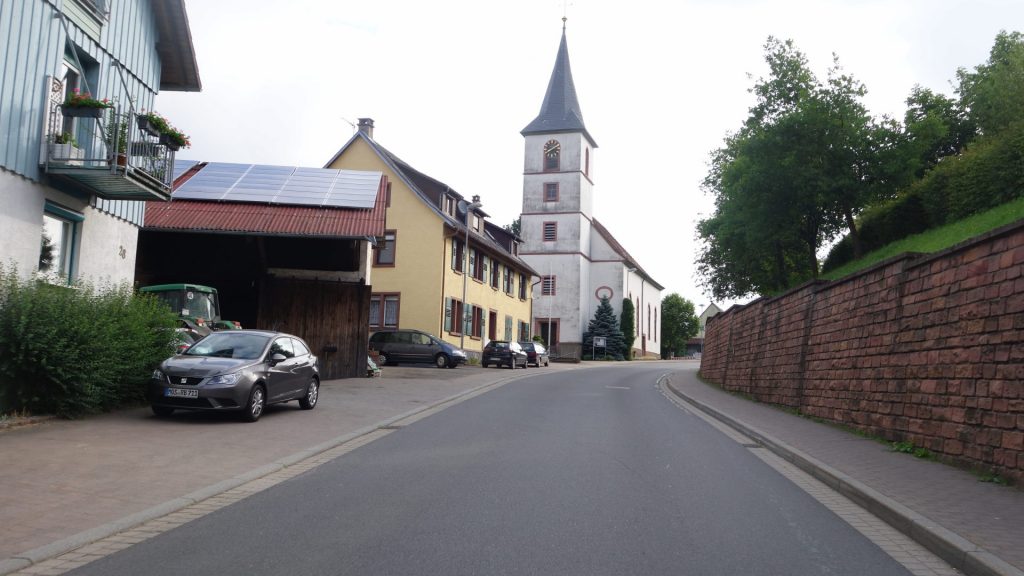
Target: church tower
557,209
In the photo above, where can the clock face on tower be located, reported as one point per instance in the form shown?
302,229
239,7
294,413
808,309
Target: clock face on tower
552,148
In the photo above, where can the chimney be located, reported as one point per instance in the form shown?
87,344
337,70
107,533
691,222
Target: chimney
366,126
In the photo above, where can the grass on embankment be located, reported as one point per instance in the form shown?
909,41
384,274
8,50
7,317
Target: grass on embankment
939,238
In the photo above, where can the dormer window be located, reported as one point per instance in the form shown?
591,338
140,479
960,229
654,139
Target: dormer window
552,156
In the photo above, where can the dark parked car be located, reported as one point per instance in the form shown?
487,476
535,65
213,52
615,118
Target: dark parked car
397,346
502,352
237,370
536,353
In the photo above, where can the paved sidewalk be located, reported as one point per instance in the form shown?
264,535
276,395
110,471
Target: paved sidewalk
977,527
67,483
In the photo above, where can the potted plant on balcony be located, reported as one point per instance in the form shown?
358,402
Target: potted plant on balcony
174,139
116,137
152,123
65,149
83,105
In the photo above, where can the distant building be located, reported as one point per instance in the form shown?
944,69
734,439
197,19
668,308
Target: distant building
423,266
72,179
578,259
695,345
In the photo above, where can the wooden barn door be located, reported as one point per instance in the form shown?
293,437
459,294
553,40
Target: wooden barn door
332,317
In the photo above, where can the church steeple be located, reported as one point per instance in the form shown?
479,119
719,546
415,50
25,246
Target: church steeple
560,111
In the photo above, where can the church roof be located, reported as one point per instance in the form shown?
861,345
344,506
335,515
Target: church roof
560,111
600,229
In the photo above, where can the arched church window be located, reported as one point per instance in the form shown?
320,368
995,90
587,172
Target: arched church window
552,155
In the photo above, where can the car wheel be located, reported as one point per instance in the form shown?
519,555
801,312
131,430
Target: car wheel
382,359
162,411
257,402
441,360
547,362
484,364
308,402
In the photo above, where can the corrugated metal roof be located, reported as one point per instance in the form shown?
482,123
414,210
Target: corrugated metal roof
267,220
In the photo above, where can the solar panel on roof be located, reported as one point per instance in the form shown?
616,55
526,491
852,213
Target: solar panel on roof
282,185
182,166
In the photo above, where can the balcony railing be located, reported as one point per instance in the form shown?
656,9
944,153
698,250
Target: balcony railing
105,151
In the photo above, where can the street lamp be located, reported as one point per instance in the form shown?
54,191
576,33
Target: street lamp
465,270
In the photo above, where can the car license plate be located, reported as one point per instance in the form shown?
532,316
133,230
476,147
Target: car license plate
181,393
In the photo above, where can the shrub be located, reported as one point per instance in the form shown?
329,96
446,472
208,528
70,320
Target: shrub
77,350
882,225
989,173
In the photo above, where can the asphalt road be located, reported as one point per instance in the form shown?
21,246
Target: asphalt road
585,472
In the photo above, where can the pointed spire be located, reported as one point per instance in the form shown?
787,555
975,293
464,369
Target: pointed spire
560,111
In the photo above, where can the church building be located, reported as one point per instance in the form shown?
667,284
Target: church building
578,259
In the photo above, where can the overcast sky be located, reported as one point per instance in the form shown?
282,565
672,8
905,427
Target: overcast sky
451,83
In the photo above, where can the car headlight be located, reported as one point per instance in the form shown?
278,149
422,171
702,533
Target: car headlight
158,375
459,353
225,379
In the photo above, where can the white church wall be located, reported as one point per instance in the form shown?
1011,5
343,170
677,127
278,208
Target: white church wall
601,250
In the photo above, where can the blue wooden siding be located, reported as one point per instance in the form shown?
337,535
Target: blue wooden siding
34,39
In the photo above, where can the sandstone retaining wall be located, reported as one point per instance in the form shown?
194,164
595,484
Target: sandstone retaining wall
925,349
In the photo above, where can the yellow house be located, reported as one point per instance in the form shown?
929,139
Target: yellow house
422,278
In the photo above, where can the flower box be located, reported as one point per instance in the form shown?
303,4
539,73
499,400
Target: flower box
66,154
147,126
170,142
82,111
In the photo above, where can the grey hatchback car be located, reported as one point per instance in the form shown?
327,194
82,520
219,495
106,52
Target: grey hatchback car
237,370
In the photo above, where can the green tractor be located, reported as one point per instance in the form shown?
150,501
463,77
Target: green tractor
197,306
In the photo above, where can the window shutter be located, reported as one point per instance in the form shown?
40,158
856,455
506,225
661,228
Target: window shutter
448,314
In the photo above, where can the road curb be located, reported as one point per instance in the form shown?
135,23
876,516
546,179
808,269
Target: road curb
956,550
28,558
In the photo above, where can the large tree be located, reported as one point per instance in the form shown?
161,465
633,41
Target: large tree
679,323
516,227
797,173
992,95
604,324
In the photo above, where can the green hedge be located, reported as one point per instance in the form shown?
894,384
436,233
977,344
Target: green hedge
77,350
989,173
880,226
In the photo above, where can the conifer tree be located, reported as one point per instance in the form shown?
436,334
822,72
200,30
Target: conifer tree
604,324
627,322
